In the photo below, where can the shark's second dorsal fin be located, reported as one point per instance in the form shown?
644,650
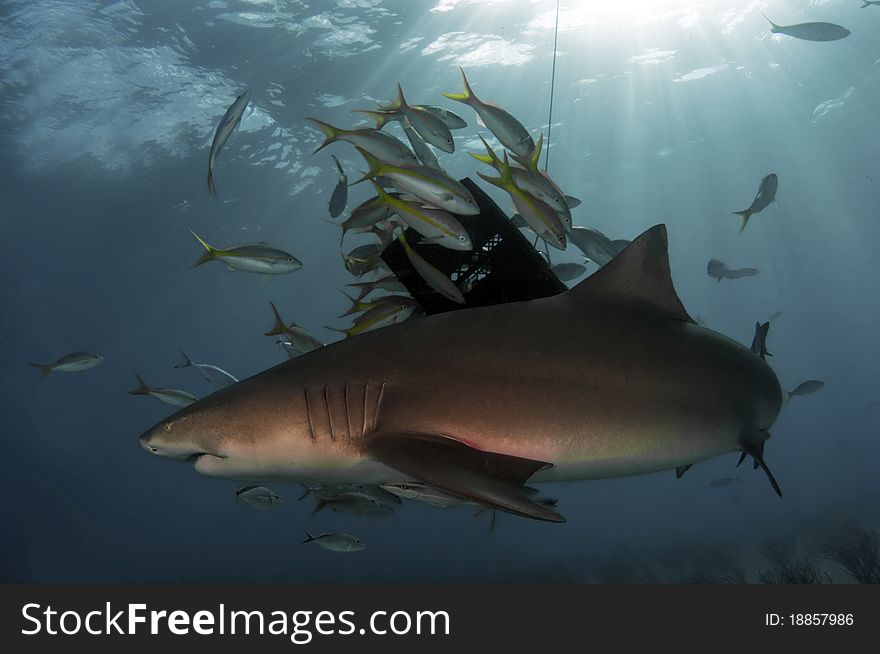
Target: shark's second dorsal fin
640,273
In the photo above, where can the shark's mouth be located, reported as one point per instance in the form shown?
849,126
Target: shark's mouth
197,456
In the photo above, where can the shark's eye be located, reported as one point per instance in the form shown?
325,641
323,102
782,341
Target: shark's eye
167,427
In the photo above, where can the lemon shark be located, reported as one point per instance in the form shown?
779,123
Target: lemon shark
610,378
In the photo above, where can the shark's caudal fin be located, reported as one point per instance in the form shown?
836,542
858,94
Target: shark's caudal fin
639,275
804,388
309,537
488,478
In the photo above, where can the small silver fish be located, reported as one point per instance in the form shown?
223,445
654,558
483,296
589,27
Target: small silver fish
805,388
387,313
451,119
426,124
224,130
354,502
423,151
594,244
340,194
73,362
765,196
172,396
567,272
421,492
388,283
430,185
504,126
212,374
258,497
433,277
363,259
250,258
718,270
342,543
381,145
436,225
292,337
810,31
721,482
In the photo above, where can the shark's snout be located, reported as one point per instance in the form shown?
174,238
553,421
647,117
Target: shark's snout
145,443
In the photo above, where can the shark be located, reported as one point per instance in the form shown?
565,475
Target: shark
610,378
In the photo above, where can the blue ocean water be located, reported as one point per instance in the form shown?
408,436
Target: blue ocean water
665,112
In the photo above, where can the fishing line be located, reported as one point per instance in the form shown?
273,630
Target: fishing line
552,86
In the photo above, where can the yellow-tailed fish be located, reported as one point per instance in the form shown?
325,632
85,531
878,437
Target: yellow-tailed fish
430,185
292,334
383,315
504,126
212,374
427,125
250,258
379,144
388,283
433,277
73,362
339,198
172,396
539,215
224,130
436,225
532,181
423,150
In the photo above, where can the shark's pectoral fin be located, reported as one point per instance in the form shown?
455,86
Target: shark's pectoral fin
680,470
753,445
488,478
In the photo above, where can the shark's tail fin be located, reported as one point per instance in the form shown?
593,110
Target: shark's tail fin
309,537
306,491
186,360
865,4
143,389
744,215
44,368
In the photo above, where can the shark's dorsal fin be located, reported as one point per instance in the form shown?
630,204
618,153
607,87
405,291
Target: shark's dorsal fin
640,273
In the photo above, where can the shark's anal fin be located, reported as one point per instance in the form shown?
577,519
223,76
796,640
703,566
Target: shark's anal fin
487,478
753,445
680,470
639,275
